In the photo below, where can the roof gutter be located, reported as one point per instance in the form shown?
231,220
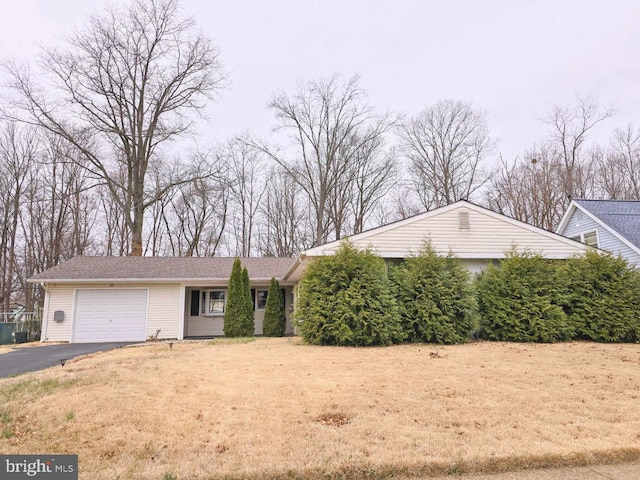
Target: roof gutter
298,263
140,280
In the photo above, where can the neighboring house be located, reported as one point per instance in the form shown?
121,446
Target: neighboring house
611,225
476,235
91,299
118,299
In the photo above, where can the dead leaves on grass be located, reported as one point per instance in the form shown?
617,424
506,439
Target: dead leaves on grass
221,448
333,419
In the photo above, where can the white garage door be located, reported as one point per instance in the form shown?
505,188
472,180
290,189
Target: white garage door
114,315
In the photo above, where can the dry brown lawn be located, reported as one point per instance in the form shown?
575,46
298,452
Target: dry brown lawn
278,408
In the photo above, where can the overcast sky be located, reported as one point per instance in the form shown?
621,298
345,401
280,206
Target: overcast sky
514,59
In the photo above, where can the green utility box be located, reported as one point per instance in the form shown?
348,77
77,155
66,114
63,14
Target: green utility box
21,337
6,332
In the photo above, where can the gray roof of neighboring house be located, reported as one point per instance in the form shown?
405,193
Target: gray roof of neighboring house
162,268
623,216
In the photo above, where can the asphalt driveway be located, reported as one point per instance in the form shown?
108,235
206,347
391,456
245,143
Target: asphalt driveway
30,359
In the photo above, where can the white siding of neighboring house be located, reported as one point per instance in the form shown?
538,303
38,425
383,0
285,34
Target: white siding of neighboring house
581,223
487,237
164,310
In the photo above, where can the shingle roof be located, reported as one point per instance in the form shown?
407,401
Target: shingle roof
163,268
623,216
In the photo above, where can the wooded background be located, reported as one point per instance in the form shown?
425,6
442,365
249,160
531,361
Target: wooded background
96,156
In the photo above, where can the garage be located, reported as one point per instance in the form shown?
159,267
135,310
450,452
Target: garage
110,315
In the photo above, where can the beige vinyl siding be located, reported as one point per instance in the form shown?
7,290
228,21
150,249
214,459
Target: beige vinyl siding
258,322
204,325
164,311
60,298
486,237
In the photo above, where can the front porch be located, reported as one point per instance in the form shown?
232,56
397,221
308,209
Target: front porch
205,306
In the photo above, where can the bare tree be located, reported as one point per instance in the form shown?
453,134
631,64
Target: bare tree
18,149
128,83
446,145
284,231
400,204
158,236
367,179
247,187
58,211
538,188
196,218
375,174
570,127
116,229
619,167
530,190
331,125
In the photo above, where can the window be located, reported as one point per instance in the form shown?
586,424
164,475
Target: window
212,302
463,221
261,296
591,239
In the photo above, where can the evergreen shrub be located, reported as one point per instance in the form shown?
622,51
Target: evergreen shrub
237,322
436,298
603,298
346,299
521,300
274,315
250,302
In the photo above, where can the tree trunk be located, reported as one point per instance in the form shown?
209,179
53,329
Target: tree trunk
136,231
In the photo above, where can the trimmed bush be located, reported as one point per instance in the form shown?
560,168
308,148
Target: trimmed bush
274,315
604,298
246,285
436,298
346,299
521,300
236,319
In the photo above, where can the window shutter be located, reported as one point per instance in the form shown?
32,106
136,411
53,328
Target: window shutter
253,297
283,293
195,303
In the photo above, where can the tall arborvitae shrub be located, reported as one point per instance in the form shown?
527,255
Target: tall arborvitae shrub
246,285
436,298
603,298
236,320
274,315
521,300
346,299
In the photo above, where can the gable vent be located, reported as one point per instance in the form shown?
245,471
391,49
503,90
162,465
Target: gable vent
463,221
